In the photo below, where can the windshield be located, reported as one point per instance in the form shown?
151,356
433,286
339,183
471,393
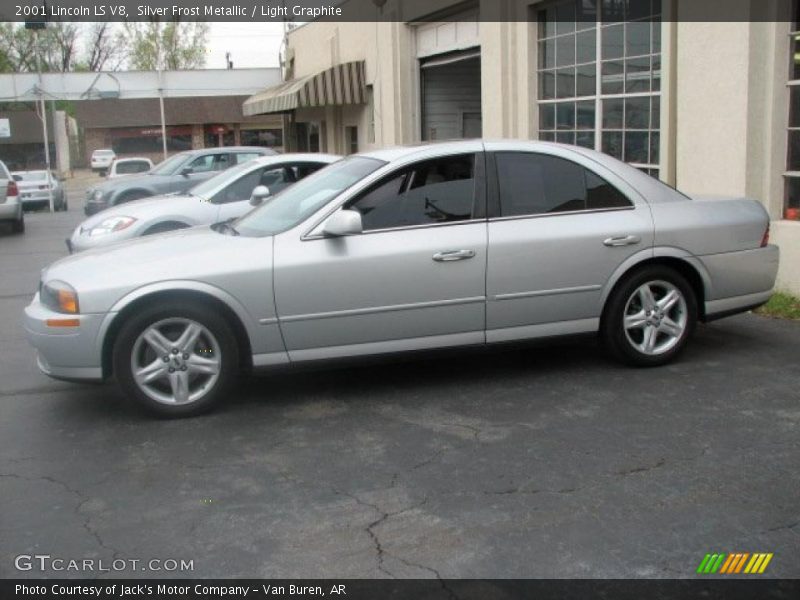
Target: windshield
209,186
169,166
297,203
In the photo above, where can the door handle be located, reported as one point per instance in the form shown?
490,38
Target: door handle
451,255
626,240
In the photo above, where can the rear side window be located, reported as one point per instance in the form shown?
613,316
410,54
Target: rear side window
535,184
434,191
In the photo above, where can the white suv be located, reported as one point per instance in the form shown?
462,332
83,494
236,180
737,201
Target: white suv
102,159
10,206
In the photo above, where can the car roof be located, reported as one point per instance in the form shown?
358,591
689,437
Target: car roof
130,158
295,156
260,149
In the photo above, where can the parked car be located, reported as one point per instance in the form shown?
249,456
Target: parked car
129,166
101,159
34,189
453,244
225,196
178,173
10,205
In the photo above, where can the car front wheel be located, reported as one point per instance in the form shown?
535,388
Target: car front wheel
176,360
649,317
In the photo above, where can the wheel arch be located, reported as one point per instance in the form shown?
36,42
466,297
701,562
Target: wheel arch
161,224
228,307
118,197
683,262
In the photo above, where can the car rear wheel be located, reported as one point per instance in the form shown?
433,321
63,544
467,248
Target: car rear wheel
18,226
649,317
176,360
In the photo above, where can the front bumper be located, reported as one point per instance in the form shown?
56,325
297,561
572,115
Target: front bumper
73,353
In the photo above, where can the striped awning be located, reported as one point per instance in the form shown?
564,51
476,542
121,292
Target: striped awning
341,84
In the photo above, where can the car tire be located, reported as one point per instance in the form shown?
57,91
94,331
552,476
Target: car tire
649,317
169,374
18,226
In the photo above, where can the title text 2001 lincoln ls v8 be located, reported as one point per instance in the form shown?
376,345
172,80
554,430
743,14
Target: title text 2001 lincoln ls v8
451,244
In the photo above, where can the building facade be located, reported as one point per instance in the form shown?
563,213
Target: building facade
710,107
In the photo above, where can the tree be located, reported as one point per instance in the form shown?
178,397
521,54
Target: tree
59,47
166,45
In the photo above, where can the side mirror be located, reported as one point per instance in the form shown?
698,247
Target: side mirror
186,171
343,222
260,193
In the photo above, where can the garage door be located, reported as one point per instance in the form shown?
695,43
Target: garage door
451,96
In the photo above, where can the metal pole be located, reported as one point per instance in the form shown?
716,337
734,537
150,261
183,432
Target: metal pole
161,92
44,122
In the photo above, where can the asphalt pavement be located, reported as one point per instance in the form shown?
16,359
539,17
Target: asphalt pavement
547,461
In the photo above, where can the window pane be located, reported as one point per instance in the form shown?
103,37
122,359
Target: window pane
601,194
637,113
636,146
637,75
547,54
637,9
241,189
793,163
584,114
655,151
793,192
612,143
586,46
565,51
547,116
565,83
795,51
435,191
565,15
612,113
585,139
532,184
656,73
613,77
613,10
565,137
656,36
565,115
586,14
655,113
637,38
547,136
613,45
547,85
586,83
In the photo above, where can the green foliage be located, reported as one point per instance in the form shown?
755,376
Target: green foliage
166,45
782,306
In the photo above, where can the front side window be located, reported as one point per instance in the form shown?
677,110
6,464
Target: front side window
303,199
599,73
434,191
535,184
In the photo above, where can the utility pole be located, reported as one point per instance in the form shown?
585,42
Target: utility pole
161,91
40,93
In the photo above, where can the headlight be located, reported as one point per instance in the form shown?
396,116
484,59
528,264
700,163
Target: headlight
112,225
97,195
59,296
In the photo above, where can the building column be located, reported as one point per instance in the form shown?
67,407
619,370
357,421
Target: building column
198,137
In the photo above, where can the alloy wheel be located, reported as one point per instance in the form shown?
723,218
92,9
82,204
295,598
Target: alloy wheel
655,318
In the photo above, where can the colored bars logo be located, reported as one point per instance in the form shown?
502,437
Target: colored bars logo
731,564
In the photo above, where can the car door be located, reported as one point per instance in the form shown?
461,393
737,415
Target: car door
415,277
234,200
558,230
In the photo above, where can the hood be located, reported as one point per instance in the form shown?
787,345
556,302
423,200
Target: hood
136,178
153,206
104,275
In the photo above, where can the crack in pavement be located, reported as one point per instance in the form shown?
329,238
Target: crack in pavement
82,499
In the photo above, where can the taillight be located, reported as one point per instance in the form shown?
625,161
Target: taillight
12,189
765,238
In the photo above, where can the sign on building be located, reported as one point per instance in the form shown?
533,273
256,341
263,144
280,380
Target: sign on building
5,128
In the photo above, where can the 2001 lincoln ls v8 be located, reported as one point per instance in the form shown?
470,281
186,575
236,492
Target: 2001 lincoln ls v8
449,244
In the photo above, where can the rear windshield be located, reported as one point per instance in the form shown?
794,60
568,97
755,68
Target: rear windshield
32,176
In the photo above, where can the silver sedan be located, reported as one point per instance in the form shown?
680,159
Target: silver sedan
225,196
454,244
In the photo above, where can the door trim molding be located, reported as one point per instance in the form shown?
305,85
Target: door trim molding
554,292
380,309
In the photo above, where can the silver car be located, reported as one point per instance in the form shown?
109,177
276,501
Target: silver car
35,189
225,196
178,173
454,244
10,205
